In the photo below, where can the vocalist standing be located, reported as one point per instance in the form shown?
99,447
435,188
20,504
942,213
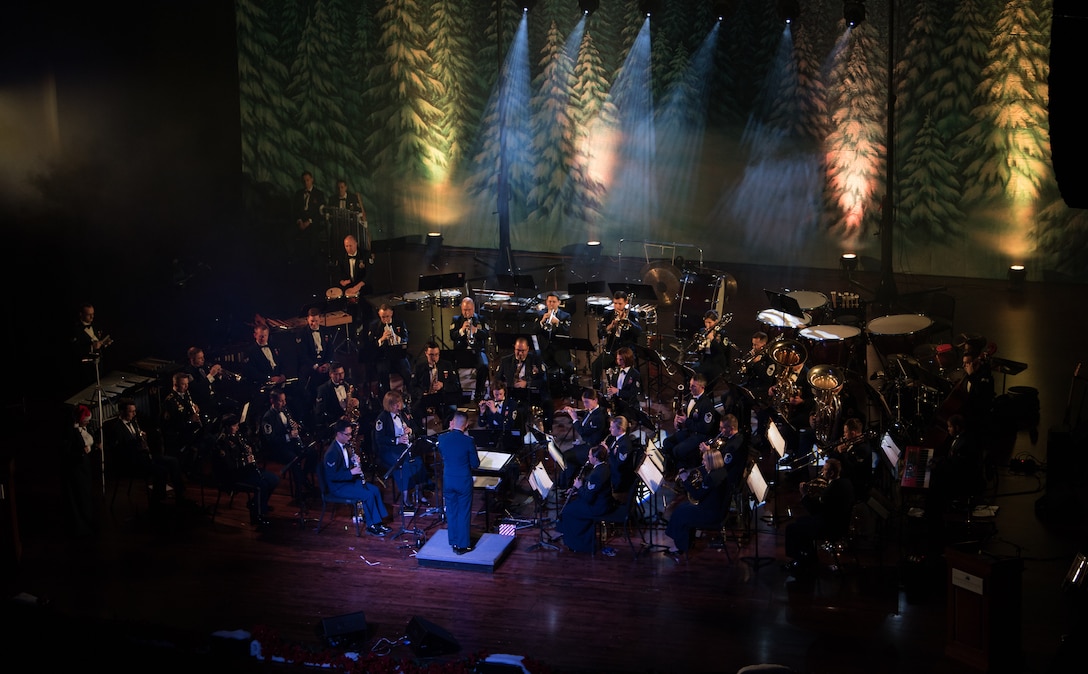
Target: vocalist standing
459,458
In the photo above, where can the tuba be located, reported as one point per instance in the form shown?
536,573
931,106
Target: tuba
786,354
826,382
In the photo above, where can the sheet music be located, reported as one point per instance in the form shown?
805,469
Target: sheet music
556,455
540,482
651,475
493,461
758,485
774,436
891,453
654,454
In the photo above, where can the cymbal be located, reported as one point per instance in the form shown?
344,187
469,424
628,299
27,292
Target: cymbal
664,278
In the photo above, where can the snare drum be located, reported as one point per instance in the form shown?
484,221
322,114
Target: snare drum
450,297
812,303
333,294
417,301
831,344
780,324
898,333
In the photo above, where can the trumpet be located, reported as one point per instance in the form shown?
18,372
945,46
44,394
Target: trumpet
227,374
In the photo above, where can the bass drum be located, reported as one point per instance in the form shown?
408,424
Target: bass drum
832,344
700,293
898,333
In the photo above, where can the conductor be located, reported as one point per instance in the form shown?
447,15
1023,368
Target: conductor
459,457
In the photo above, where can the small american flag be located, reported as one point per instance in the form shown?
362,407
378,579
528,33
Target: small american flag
508,529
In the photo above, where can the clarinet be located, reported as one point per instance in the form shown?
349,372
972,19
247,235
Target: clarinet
571,491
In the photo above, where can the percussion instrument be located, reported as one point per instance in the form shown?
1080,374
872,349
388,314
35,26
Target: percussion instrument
448,297
780,324
333,294
598,304
417,301
898,333
646,313
812,303
699,293
831,344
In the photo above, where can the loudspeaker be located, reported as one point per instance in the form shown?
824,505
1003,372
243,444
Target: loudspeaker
428,640
343,630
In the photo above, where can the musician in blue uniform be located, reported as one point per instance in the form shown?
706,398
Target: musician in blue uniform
709,487
469,334
696,424
553,322
590,499
393,434
618,328
829,500
621,462
459,458
592,429
344,479
623,385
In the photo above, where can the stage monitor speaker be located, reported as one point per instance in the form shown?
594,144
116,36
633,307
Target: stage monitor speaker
429,640
343,630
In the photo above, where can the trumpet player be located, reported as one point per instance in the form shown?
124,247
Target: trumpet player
469,334
552,322
829,500
618,328
203,380
388,337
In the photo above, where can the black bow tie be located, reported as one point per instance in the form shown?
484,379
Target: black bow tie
352,257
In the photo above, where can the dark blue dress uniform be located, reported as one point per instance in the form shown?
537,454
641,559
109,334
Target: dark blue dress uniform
345,485
699,426
459,458
708,503
412,472
592,430
593,499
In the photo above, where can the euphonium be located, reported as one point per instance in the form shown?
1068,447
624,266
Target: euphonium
815,488
826,383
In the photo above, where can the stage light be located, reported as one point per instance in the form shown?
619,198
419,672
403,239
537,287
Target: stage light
853,12
788,10
526,5
648,7
589,6
593,242
721,9
849,261
1018,276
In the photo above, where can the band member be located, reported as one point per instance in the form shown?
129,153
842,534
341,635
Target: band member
621,462
711,349
88,345
856,456
623,385
182,423
344,477
282,441
236,464
522,372
393,435
459,458
205,382
79,461
388,339
695,424
618,328
829,500
501,415
263,369
469,334
317,346
335,400
309,209
352,273
435,385
129,445
591,427
552,322
589,497
756,369
709,486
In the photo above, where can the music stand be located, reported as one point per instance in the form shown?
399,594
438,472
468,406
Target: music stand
542,486
560,466
778,442
637,290
650,471
757,487
784,303
515,283
404,529
391,246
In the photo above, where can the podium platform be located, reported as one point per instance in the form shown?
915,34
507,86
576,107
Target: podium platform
489,552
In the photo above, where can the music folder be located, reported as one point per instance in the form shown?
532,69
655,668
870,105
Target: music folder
650,473
493,462
757,484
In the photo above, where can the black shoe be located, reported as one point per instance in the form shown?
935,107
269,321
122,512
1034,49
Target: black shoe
461,551
375,530
384,528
